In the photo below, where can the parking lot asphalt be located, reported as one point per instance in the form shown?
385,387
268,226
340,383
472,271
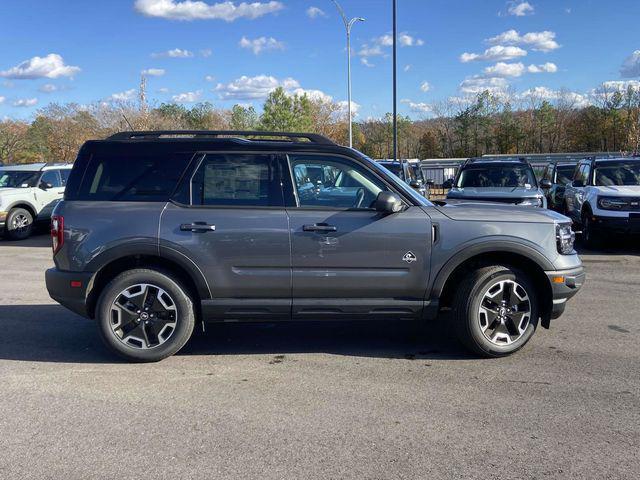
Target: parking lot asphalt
333,400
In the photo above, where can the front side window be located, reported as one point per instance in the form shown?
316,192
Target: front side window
623,173
237,180
334,182
64,175
52,178
564,174
492,176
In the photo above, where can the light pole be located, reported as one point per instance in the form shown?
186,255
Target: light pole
395,86
348,24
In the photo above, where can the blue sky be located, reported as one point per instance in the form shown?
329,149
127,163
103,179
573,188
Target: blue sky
233,52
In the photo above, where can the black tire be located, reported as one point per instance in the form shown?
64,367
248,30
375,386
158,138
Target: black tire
19,224
184,316
467,303
591,237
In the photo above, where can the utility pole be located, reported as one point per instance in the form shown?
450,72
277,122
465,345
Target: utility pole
395,86
348,24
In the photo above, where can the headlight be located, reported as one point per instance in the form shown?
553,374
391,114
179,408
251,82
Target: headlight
565,237
531,202
612,203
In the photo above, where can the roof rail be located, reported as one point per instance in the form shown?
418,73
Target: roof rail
293,137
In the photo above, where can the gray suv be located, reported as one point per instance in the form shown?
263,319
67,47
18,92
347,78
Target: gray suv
160,230
504,180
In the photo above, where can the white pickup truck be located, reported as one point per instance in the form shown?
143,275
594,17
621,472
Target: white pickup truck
28,194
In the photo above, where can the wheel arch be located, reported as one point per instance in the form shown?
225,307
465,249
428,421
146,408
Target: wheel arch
179,267
27,206
519,256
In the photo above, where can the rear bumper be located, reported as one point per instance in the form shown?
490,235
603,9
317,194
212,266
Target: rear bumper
564,285
617,224
59,286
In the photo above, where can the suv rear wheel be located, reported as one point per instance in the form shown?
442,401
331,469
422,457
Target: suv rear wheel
590,236
495,310
19,224
145,315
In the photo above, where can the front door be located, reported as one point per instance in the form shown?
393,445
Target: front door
347,258
235,229
48,193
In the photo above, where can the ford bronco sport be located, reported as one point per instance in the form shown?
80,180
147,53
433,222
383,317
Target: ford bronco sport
160,230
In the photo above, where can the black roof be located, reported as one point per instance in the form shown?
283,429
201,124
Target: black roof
238,135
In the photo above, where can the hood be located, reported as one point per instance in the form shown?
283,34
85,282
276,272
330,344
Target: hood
496,212
620,190
494,192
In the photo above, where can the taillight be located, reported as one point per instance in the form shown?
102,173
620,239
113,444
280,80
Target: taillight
57,232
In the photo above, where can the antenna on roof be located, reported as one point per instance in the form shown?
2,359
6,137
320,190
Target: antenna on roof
127,120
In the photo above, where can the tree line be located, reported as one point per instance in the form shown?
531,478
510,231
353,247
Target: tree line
486,123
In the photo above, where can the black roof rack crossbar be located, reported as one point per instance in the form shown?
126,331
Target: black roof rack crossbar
310,137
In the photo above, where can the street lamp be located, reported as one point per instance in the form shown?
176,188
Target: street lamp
348,24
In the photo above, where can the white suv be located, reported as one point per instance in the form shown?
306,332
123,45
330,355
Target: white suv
28,194
605,196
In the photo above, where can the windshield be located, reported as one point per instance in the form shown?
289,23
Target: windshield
17,178
492,176
564,174
618,174
394,167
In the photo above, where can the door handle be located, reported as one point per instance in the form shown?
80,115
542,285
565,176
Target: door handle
197,227
319,227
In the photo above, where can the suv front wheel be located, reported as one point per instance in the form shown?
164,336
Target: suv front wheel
145,315
495,310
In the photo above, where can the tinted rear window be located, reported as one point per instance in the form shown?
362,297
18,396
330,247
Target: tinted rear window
126,177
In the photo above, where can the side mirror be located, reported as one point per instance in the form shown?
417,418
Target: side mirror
415,184
45,185
545,184
388,202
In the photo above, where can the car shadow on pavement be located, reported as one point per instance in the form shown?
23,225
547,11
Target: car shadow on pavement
615,245
40,238
50,333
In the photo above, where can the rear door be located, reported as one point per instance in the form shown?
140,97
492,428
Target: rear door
347,258
229,219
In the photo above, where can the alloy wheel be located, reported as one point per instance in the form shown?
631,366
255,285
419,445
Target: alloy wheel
20,222
505,312
143,316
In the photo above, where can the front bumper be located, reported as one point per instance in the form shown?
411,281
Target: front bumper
628,224
59,286
564,285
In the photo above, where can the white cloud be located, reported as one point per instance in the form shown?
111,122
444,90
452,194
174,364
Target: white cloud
417,107
206,52
25,102
261,44
2,99
50,66
578,100
125,96
48,88
163,90
544,68
209,78
404,40
475,85
502,69
154,72
425,86
187,97
520,9
315,95
343,109
365,61
539,41
253,88
631,66
174,53
621,85
315,12
199,10
370,51
495,53
407,67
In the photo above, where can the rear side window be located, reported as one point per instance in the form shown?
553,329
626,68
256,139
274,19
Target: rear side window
132,177
237,180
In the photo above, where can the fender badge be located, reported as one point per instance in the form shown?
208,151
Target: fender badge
409,257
